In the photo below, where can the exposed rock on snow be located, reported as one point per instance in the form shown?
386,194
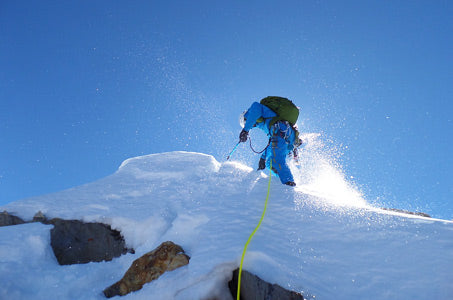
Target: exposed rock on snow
167,257
253,287
421,214
6,219
40,217
75,242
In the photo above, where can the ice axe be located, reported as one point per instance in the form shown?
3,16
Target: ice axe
234,149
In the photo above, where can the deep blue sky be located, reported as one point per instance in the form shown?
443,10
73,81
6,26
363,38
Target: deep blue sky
87,84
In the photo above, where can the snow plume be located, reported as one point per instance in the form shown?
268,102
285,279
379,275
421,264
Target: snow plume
319,174
318,171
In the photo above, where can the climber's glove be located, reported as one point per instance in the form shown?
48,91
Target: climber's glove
243,136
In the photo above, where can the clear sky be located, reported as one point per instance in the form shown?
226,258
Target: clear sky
85,85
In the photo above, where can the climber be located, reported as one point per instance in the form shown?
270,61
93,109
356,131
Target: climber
277,117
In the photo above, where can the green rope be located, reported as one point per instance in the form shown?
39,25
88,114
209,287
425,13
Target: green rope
253,233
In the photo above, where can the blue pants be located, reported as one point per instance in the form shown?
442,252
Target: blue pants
278,150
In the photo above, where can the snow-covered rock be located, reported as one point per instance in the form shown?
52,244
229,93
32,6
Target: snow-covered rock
253,287
6,219
76,242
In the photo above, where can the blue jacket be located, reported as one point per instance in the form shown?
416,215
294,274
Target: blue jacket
257,111
281,136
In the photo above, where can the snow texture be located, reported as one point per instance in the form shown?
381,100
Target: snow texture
321,239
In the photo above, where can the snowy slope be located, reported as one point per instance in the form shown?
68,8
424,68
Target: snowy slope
321,238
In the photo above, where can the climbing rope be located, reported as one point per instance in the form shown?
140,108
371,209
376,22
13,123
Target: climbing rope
254,231
250,140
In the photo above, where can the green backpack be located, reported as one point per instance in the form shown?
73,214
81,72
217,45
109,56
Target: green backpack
286,111
284,108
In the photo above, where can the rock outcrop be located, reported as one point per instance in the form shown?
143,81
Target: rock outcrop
40,217
421,214
76,242
253,287
167,257
7,220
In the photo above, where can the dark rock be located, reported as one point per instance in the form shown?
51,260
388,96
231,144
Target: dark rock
422,214
150,266
253,287
40,217
76,242
7,220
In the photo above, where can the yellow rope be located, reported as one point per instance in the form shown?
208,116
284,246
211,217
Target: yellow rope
253,233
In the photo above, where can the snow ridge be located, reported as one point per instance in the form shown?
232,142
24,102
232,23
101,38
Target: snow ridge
320,239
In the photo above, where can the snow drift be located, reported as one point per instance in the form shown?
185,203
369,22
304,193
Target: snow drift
321,239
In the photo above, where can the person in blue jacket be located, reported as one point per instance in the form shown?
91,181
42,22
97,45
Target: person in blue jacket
281,140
